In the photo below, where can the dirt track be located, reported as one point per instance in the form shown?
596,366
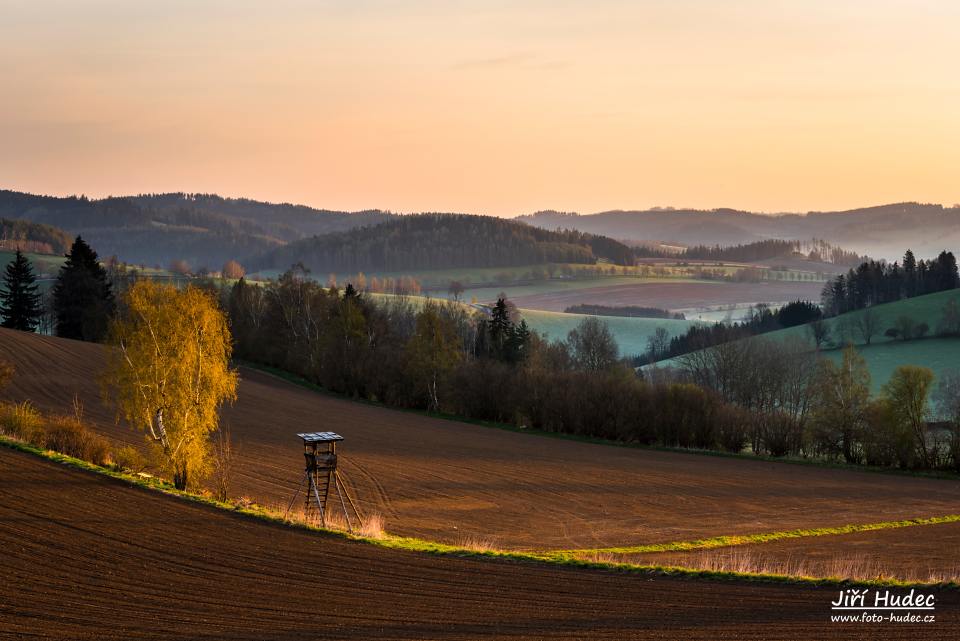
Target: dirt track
674,296
450,481
86,557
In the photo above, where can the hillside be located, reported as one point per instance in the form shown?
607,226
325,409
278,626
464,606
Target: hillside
204,230
33,237
885,354
449,481
880,231
84,546
443,241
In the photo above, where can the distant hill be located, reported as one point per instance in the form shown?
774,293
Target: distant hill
33,237
443,241
878,231
204,230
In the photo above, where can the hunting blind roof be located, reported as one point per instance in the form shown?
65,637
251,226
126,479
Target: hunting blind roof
320,437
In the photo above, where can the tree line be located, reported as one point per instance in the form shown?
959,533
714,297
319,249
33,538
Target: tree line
802,404
761,320
815,250
875,282
769,397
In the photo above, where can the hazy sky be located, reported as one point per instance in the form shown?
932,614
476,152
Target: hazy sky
486,107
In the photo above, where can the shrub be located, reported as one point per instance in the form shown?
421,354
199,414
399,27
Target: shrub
129,458
68,436
22,421
6,373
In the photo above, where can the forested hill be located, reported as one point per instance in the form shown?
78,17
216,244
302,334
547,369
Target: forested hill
203,229
878,231
33,237
443,241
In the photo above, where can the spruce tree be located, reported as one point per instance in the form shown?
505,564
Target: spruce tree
501,329
19,300
82,297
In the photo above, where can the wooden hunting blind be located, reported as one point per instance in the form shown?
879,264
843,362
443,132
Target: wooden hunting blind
320,474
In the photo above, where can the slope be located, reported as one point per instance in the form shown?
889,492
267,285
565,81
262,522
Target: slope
444,480
90,558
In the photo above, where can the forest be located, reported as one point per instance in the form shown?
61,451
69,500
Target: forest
442,241
33,237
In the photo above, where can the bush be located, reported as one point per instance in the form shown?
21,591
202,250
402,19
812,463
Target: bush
129,458
22,421
6,373
68,436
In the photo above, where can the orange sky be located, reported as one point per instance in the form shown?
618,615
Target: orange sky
486,107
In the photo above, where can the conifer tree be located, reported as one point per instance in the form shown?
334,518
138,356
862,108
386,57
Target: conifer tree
83,300
19,300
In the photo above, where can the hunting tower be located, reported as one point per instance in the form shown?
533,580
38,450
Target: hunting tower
320,455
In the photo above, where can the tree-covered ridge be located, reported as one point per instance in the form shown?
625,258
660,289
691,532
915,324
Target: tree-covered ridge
444,241
816,250
203,229
33,237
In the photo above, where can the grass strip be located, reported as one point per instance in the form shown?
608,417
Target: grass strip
564,558
746,539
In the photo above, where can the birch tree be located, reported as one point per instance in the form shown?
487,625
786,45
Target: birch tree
169,374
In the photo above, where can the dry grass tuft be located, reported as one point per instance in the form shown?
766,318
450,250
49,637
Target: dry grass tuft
858,568
476,543
372,526
21,421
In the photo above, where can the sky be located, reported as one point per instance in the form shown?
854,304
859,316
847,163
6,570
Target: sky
492,107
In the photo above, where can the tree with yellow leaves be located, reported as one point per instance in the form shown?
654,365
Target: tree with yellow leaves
169,372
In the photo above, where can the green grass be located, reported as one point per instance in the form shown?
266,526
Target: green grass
47,264
747,539
939,354
421,546
885,354
631,334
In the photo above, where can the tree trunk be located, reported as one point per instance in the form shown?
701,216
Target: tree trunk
180,477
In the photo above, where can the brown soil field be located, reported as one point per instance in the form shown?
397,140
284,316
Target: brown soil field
88,557
451,481
925,553
673,295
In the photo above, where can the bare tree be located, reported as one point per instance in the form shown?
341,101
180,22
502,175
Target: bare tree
456,289
867,325
180,267
224,458
658,344
819,331
233,270
593,346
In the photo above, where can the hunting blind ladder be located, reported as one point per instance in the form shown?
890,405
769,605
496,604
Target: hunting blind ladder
320,454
